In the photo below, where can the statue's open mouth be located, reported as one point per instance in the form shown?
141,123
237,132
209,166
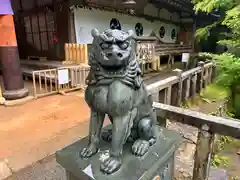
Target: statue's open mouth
120,70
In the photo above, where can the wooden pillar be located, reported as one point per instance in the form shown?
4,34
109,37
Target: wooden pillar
203,154
154,58
9,58
178,73
169,61
193,36
159,63
61,11
156,63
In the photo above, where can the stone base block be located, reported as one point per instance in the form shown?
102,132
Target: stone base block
15,94
158,163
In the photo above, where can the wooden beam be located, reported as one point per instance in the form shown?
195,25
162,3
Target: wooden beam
37,9
46,26
21,5
218,125
175,5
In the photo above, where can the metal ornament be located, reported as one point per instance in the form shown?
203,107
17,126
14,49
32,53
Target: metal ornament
129,2
115,24
139,29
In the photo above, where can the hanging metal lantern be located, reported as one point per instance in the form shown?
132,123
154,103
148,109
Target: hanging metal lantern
129,2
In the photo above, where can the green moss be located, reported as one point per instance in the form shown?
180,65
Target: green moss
214,93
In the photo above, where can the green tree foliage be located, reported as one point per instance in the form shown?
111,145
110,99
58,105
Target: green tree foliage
227,63
230,18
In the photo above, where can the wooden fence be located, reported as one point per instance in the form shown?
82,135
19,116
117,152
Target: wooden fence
59,80
183,85
175,89
76,53
148,53
45,82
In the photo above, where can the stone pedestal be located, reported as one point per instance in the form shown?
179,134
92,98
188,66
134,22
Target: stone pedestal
158,163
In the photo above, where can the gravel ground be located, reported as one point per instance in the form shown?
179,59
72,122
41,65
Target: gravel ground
47,169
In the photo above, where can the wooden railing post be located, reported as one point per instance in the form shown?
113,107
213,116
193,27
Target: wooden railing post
160,120
206,77
201,64
159,63
170,61
203,154
167,95
214,72
187,89
178,73
210,74
194,85
155,63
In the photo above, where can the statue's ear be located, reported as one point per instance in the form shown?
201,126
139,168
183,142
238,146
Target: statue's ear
95,32
131,33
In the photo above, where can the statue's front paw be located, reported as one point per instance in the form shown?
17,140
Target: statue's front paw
89,151
140,147
111,165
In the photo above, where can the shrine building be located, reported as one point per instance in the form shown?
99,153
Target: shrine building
44,28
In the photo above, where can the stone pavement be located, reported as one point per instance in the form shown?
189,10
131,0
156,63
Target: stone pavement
37,129
47,169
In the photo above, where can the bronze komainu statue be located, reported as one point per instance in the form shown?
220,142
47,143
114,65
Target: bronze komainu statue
115,87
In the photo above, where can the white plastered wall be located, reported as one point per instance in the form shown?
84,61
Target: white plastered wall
86,20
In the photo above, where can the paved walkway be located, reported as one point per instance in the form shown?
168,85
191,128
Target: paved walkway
38,128
47,169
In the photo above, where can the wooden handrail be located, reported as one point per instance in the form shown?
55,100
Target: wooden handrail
158,86
218,125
